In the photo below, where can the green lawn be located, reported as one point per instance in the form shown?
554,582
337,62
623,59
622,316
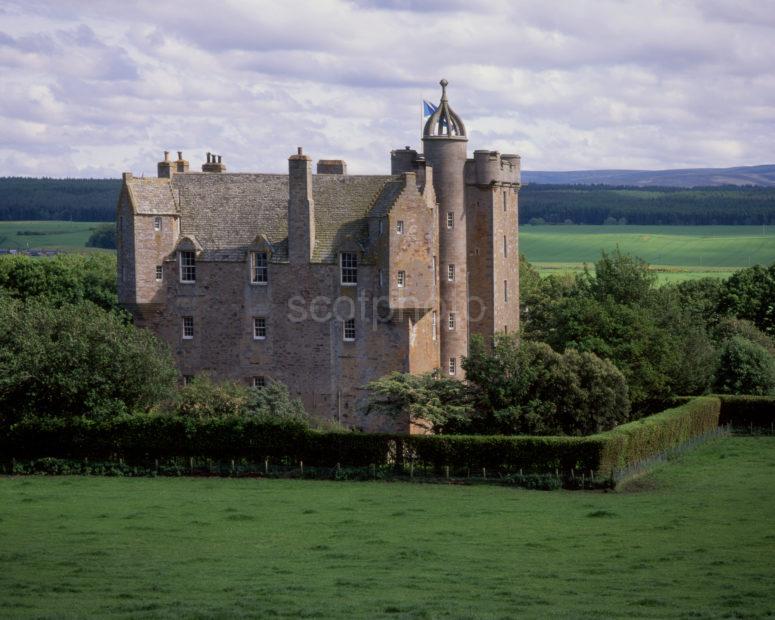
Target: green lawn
56,235
693,539
676,252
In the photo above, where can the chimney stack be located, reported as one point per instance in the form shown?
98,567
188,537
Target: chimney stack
332,166
301,209
164,167
181,165
213,164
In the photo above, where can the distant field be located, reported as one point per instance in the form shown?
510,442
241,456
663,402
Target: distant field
676,252
692,540
53,235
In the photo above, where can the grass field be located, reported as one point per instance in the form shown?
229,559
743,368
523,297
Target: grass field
51,235
675,252
693,539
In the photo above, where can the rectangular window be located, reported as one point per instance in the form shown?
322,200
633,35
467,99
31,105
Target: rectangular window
349,268
434,271
505,199
450,220
188,379
452,365
400,227
157,223
433,325
505,247
349,330
401,279
451,273
259,272
188,327
159,273
259,328
380,278
505,290
259,382
187,267
381,226
451,321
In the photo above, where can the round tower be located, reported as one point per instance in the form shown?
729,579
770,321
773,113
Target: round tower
444,142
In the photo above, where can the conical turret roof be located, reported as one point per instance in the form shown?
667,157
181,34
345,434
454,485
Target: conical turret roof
444,123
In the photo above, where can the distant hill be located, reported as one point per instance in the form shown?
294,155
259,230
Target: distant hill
763,176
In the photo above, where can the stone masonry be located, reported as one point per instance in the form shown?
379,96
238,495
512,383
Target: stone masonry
327,281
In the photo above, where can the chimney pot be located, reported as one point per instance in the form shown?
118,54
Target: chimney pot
219,159
166,155
180,154
299,150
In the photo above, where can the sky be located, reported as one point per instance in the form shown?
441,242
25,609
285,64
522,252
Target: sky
92,89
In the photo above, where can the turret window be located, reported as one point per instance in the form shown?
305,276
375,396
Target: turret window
188,328
259,268
349,330
187,267
349,268
259,328
401,279
157,223
505,201
505,247
400,227
159,273
451,273
505,290
451,321
452,365
450,220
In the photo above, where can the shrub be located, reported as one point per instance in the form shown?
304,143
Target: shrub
747,411
745,368
103,236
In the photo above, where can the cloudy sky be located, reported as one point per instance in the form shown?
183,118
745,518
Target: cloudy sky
95,88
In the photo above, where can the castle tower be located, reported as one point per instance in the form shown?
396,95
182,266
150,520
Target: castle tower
444,142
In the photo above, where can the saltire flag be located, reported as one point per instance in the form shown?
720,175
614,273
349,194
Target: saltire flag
427,108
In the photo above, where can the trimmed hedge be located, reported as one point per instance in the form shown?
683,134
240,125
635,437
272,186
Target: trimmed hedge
142,438
748,411
642,439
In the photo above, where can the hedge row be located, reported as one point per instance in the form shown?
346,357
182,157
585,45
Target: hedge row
748,411
144,438
642,439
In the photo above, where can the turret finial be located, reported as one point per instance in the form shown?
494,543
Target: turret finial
443,89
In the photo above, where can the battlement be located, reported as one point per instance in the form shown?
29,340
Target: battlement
488,167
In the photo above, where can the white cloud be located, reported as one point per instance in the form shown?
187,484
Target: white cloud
97,88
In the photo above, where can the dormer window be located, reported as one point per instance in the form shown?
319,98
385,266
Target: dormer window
348,262
157,223
259,268
187,266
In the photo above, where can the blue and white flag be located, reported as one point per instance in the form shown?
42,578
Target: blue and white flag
427,108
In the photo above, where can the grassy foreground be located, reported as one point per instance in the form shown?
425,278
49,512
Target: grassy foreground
693,539
675,252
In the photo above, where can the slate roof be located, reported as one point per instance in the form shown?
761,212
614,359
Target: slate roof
225,212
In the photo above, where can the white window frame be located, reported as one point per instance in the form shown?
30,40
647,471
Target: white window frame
348,275
157,223
159,273
188,327
450,273
348,330
258,382
451,322
259,273
187,269
400,227
259,328
401,279
450,219
452,365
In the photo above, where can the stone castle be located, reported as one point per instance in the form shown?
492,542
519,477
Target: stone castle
326,281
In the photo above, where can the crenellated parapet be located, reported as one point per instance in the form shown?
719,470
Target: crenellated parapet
491,167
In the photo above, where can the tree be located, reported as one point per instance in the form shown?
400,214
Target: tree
77,360
103,236
62,279
745,368
750,294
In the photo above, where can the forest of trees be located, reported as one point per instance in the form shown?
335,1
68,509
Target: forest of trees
94,200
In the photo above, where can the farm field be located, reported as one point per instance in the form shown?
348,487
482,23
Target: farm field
675,252
51,235
694,538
